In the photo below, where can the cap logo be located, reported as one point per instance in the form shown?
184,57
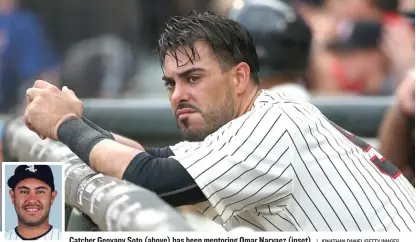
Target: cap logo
31,168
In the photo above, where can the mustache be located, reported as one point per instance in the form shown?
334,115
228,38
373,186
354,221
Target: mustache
33,205
187,105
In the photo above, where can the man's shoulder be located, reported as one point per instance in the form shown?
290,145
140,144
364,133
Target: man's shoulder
55,230
283,102
277,98
55,233
10,234
294,90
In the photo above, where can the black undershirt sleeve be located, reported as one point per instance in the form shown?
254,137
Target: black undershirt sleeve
164,176
164,152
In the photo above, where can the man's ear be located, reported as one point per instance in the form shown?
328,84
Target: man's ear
242,77
11,193
53,196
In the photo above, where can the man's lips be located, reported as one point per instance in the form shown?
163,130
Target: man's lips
32,209
184,111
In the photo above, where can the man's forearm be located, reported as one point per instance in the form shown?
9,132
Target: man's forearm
93,145
98,150
111,157
126,141
113,136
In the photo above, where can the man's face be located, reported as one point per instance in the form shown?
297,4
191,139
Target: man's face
201,94
32,201
359,64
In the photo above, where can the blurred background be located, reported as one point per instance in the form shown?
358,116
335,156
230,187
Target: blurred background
105,48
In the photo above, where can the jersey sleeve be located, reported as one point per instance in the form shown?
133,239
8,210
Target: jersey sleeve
244,164
164,152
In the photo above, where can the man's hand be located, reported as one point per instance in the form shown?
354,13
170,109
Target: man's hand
405,95
398,46
48,107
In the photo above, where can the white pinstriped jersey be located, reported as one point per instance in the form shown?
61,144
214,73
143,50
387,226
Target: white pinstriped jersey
54,234
283,166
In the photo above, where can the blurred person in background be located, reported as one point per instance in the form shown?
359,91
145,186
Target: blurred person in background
99,67
283,42
357,67
25,54
97,41
399,45
317,16
397,130
100,41
357,64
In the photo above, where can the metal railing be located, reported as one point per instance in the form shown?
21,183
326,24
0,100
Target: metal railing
111,203
152,122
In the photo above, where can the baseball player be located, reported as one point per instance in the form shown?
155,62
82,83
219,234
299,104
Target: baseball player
283,43
250,157
32,192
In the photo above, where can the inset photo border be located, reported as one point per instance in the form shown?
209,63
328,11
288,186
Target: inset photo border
33,201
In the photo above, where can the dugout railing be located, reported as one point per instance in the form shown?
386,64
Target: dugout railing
152,121
99,202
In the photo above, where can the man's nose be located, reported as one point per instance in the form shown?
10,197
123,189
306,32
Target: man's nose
180,93
32,196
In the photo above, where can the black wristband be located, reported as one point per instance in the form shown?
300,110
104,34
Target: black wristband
98,128
79,137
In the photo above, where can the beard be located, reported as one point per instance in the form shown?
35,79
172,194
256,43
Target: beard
31,222
214,116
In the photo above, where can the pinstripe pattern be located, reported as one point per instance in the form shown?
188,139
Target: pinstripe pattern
53,235
284,167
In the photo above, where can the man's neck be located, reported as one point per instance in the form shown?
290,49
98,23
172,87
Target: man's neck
251,97
28,232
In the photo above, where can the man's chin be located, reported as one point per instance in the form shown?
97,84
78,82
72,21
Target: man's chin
32,223
192,136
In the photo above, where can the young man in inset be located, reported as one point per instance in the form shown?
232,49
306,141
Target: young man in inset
32,191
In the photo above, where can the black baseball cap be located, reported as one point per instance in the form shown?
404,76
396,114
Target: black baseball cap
40,172
362,34
387,5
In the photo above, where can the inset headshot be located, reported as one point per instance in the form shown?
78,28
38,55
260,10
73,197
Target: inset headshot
34,202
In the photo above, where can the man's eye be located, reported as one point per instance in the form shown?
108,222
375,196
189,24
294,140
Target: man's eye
169,84
40,192
194,78
24,192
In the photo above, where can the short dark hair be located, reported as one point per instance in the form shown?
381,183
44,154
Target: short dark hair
230,41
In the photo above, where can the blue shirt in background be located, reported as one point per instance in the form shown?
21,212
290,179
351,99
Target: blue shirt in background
25,53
